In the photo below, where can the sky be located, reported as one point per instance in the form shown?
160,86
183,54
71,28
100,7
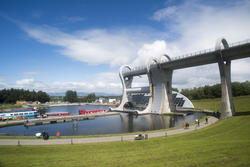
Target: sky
80,45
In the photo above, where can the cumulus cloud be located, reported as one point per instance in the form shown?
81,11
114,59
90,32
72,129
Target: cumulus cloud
30,83
154,49
106,82
196,27
3,85
161,14
95,46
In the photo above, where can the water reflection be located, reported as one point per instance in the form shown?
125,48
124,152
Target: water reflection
75,127
132,123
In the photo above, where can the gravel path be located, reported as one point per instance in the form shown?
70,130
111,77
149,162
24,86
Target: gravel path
211,120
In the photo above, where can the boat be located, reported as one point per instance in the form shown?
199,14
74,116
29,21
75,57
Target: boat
84,112
57,114
15,114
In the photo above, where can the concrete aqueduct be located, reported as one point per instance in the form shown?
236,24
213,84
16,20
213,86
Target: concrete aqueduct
160,72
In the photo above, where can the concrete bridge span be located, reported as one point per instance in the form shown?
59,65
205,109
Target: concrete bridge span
160,72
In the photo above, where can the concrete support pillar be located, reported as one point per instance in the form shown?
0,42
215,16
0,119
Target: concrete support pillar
162,91
160,82
227,108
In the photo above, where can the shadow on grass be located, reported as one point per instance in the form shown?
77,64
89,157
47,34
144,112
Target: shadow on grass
242,113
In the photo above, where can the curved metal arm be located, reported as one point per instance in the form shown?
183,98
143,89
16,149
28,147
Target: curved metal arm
220,41
121,76
165,55
159,59
148,67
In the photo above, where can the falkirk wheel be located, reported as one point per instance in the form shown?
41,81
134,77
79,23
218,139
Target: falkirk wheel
159,98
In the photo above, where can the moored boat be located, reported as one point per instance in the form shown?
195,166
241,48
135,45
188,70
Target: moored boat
58,114
83,111
18,114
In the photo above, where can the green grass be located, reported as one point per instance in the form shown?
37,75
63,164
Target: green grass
226,143
10,106
242,104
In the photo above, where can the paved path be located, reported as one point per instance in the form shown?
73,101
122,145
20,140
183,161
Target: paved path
211,120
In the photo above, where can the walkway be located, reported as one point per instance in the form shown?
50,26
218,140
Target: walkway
211,120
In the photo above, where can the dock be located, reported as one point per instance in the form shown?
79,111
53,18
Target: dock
55,119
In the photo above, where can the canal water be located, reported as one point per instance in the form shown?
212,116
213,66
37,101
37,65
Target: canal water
121,123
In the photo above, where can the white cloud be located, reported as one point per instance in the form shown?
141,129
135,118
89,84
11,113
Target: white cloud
30,83
154,49
241,70
63,86
96,46
163,13
24,82
196,77
106,82
140,81
197,27
3,85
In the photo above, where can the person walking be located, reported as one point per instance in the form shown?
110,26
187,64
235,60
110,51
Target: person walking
206,120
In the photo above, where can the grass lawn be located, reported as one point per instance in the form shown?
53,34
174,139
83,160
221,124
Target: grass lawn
10,106
226,143
242,104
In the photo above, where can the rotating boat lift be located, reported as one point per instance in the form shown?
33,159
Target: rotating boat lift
160,73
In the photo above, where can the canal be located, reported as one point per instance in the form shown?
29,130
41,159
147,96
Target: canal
122,123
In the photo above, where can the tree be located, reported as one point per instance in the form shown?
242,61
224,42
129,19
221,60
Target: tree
42,97
70,96
175,89
91,97
13,95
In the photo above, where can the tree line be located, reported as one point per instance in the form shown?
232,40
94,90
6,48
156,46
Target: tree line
13,95
71,96
214,91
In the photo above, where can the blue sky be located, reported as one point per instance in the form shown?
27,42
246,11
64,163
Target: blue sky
59,45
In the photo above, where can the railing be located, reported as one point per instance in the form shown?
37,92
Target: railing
139,69
205,51
239,43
